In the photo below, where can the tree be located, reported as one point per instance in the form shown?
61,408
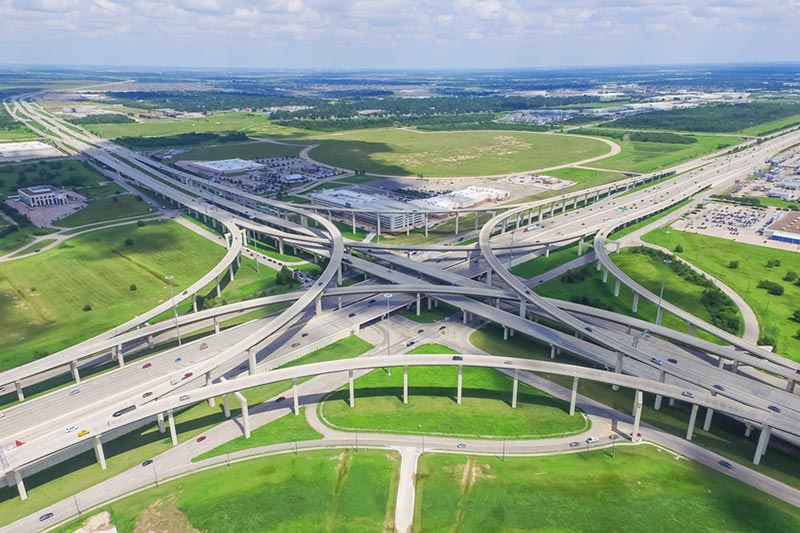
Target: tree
733,264
87,307
128,242
133,287
678,249
790,276
284,276
796,316
140,223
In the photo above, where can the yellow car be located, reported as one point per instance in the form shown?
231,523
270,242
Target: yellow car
83,433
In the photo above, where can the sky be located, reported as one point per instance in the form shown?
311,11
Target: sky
425,34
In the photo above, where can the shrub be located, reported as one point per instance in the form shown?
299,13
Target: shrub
767,340
87,307
678,249
33,289
128,242
733,264
771,287
790,276
133,287
796,316
140,223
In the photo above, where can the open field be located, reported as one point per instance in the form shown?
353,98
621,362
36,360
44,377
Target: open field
248,150
42,297
541,264
18,239
67,173
726,435
106,209
713,255
633,491
426,316
637,156
331,490
432,408
476,153
249,123
584,177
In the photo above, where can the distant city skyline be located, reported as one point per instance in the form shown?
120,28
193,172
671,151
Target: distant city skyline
398,34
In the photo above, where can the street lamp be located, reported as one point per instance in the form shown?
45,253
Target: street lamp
388,296
174,307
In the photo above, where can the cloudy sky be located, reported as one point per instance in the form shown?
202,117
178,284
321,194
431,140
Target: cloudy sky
397,33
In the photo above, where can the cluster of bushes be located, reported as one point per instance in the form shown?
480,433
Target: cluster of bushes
771,287
679,267
591,302
181,139
15,215
576,276
723,311
284,276
104,118
639,136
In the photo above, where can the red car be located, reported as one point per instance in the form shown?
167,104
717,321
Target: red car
187,375
147,365
201,438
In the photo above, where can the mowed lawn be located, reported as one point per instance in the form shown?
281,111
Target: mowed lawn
432,409
331,490
105,209
637,156
640,489
244,150
42,297
462,153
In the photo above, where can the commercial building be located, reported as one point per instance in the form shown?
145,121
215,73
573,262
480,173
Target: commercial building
375,206
224,167
41,195
469,197
26,150
785,228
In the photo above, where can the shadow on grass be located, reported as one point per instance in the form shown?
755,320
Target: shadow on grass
357,155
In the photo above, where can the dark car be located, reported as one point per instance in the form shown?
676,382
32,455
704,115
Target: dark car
147,462
725,464
147,365
124,410
304,335
351,315
673,361
719,387
201,438
458,358
574,444
774,408
442,327
280,399
587,328
46,516
295,344
420,331
410,343
147,394
73,392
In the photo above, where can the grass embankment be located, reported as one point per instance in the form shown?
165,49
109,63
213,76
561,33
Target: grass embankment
725,436
632,491
426,316
432,409
42,297
627,230
541,264
713,255
106,209
329,490
461,153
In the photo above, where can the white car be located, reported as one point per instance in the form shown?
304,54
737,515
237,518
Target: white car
70,429
591,440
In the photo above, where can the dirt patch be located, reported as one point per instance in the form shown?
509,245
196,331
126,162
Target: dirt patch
163,517
99,523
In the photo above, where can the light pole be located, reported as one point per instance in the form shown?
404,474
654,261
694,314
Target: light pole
660,297
614,445
174,307
511,251
388,296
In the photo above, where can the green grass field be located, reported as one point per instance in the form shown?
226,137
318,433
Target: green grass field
649,156
62,172
21,237
639,489
432,408
713,255
331,490
426,316
540,265
627,230
475,153
106,209
584,177
42,297
248,150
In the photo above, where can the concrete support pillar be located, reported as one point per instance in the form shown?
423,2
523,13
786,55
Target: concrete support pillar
721,362
580,247
354,221
707,421
218,289
692,420
98,452
419,304
547,251
295,398
120,356
515,389
430,303
672,402
318,302
245,414
748,429
635,306
460,380
598,265
211,401
505,333
541,215
251,360
790,386
160,419
378,224
637,416
523,308
552,351
339,303
76,375
18,387
457,217
662,376
605,275
489,277
173,434
464,316
151,342
339,276
216,325
352,389
573,397
280,245
763,442
552,209
15,478
691,328
405,384
226,406
616,288
659,314
426,225
618,368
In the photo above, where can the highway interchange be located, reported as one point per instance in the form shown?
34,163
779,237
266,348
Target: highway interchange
473,278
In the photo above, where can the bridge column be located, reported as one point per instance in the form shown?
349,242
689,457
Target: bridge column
18,387
505,333
173,434
464,316
280,245
552,351
790,385
15,478
226,406
489,277
216,325
211,401
540,216
218,289
120,356
354,221
637,416
457,216
339,276
430,302
295,398
605,275
552,209
564,207
408,224
245,414
194,303
748,428
763,442
460,380
76,375
662,376
419,304
339,303
318,302
691,328
599,266
618,368
515,389
692,419
151,342
573,397
658,316
352,389
523,308
616,288
405,384
251,361
580,247
547,251
230,270
378,225
707,421
160,419
98,452
426,225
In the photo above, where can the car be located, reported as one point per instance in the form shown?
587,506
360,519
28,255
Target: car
458,358
45,516
187,375
2,415
726,464
148,462
279,399
295,344
351,315
70,429
147,365
124,410
508,362
420,331
687,394
73,392
2,389
147,394
319,284
591,440
304,335
371,301
673,361
587,328
178,359
461,445
719,387
201,438
203,346
442,327
83,432
574,444
638,435
657,361
774,408
184,397
410,343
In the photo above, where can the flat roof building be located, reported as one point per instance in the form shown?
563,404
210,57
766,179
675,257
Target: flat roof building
225,166
375,207
41,195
